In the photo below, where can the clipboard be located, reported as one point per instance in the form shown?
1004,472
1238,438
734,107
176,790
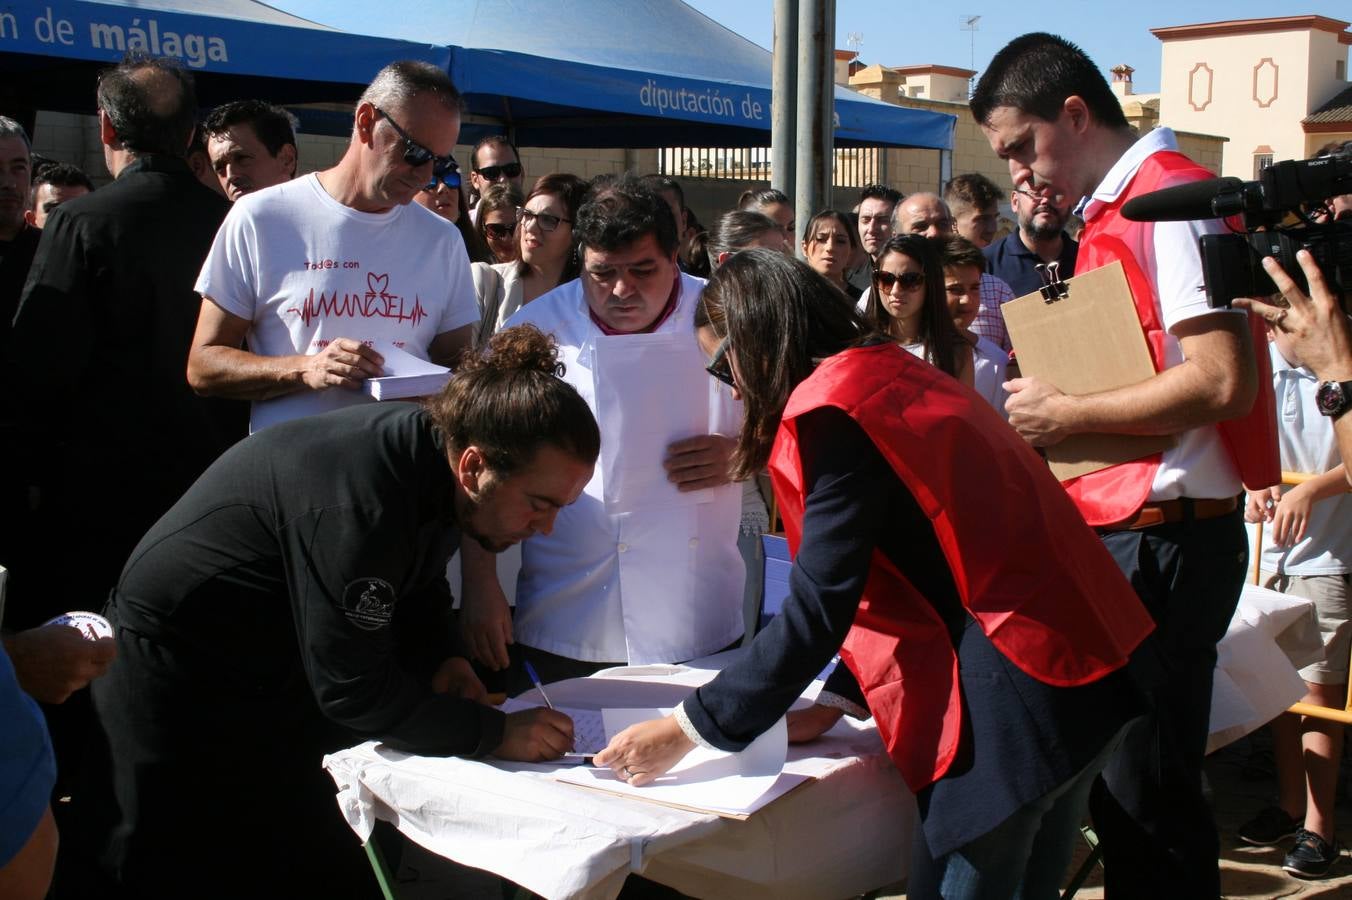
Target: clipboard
1083,336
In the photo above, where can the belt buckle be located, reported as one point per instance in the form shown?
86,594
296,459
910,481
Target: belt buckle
1148,517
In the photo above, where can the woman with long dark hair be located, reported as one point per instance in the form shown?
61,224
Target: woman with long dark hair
830,243
548,253
987,626
445,196
908,304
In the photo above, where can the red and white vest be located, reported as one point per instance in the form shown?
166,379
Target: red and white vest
1115,494
1027,568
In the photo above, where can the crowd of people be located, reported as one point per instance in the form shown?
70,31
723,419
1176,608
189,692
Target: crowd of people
190,451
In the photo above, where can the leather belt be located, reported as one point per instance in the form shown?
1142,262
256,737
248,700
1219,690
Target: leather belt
1164,512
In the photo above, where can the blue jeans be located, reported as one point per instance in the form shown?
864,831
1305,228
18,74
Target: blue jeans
1024,857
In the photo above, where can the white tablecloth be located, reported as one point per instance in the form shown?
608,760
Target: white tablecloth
847,832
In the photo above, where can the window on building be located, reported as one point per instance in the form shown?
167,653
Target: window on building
1260,162
1340,69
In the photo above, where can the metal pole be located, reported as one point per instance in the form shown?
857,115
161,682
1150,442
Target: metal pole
784,97
816,87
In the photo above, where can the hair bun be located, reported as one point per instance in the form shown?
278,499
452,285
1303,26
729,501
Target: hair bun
519,348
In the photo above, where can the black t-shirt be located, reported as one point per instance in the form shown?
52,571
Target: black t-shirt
16,258
321,545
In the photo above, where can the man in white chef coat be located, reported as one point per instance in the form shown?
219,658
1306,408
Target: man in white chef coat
644,567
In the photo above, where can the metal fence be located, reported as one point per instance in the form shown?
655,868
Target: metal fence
853,167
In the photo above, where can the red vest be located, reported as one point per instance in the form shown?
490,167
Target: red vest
1027,568
1115,494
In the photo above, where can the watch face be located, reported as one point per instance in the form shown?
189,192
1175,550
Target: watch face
1331,398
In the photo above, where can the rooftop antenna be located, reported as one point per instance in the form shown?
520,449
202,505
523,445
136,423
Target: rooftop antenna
968,23
855,40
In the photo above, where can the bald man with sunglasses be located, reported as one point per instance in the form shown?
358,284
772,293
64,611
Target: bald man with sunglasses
307,280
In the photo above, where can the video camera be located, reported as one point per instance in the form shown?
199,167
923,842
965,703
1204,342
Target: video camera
1232,263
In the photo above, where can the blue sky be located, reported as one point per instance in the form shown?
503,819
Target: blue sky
896,34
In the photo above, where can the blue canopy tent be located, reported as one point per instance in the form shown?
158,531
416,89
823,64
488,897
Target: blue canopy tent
632,73
50,50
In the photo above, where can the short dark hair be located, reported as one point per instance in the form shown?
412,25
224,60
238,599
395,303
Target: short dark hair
736,230
509,401
620,211
1035,73
780,318
758,199
880,192
956,250
664,183
272,124
500,139
58,174
151,103
971,189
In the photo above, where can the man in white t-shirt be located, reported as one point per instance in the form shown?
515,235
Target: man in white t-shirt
644,568
320,272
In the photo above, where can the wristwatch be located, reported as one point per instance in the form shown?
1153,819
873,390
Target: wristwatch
1333,397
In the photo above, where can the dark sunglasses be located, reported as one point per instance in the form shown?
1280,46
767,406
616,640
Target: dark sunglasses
909,281
500,231
493,173
721,365
415,154
451,179
547,221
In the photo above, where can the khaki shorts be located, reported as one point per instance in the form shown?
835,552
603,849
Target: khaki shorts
1332,596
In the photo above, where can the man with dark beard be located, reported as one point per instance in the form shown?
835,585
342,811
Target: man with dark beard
1040,238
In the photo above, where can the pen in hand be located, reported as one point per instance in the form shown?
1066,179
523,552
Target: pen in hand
530,670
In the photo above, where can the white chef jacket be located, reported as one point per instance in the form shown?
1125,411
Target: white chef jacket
656,585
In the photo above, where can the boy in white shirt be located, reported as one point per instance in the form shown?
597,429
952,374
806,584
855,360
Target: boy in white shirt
1307,551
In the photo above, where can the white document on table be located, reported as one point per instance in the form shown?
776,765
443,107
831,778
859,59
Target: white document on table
706,779
650,392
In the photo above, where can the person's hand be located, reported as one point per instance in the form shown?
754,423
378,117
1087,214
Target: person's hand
700,462
1316,326
486,624
455,676
54,661
342,363
1035,411
811,723
535,735
1260,504
1291,518
644,752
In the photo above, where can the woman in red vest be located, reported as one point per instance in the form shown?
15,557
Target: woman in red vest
986,625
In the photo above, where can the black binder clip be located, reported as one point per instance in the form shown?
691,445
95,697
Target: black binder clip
1053,288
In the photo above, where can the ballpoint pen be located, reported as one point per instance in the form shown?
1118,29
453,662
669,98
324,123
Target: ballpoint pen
530,670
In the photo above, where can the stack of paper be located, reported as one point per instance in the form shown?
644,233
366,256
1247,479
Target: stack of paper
406,376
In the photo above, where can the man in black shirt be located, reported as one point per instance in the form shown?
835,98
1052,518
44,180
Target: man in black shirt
18,239
294,601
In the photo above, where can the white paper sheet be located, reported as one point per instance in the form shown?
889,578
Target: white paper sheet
405,375
736,783
650,391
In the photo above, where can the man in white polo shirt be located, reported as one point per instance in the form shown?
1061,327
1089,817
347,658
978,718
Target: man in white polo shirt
317,272
623,580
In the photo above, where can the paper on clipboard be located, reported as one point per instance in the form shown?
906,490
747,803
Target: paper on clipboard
1087,342
651,390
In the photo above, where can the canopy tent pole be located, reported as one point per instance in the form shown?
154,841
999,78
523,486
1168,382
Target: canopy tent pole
816,89
784,97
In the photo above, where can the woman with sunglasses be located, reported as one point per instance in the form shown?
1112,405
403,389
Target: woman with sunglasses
444,196
548,254
908,303
830,243
990,638
496,220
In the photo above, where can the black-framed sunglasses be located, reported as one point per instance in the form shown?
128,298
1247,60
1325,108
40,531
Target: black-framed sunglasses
721,365
500,230
909,281
547,221
415,154
506,170
451,179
